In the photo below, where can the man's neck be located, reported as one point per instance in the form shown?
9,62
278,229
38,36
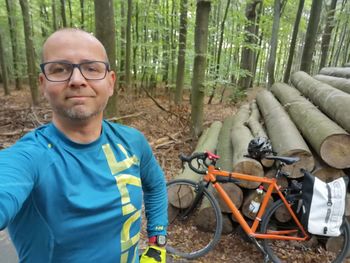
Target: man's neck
80,131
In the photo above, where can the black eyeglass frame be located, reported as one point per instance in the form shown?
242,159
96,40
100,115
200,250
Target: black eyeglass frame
42,67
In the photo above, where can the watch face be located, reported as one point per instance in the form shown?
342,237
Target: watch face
161,240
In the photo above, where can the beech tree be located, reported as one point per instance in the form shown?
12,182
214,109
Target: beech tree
199,65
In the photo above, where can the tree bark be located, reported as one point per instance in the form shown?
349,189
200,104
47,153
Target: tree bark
240,138
328,139
63,13
336,72
54,17
199,65
224,146
14,43
273,43
326,37
333,102
257,128
128,49
284,135
105,32
293,41
3,67
311,36
248,54
207,142
30,52
180,77
339,83
82,14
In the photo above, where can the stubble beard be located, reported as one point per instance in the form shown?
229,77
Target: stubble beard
79,114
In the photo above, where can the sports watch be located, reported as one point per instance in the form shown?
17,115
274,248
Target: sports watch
159,240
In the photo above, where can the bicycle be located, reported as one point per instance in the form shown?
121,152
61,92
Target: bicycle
187,238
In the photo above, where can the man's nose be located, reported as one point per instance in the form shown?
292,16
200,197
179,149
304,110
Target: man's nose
77,77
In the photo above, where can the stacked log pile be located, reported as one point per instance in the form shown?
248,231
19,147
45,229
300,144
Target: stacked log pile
310,120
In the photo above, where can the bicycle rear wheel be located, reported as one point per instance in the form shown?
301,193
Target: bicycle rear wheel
316,249
195,220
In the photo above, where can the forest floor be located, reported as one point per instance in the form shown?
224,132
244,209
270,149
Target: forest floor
165,126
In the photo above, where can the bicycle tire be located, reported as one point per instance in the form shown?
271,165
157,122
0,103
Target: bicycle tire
187,238
313,250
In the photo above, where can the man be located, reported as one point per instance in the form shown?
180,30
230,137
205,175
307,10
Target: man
71,191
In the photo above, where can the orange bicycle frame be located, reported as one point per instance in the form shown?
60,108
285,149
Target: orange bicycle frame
251,231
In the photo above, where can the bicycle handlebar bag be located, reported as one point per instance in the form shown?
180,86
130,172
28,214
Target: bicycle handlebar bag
323,205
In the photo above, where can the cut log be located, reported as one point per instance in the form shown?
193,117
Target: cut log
246,202
241,116
234,192
324,172
257,128
282,214
284,135
206,219
339,83
281,181
336,72
224,147
329,140
207,142
333,102
240,138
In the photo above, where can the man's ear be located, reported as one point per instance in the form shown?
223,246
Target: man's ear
42,84
112,77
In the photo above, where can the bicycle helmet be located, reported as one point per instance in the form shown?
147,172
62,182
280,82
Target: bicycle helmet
259,147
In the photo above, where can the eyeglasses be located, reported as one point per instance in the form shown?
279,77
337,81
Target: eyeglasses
62,71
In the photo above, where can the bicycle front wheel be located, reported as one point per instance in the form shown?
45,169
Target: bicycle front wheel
316,249
195,220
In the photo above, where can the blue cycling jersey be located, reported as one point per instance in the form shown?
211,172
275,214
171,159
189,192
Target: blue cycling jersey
65,202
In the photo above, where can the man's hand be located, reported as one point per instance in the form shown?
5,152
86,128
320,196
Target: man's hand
153,254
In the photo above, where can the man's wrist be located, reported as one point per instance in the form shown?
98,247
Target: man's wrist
159,240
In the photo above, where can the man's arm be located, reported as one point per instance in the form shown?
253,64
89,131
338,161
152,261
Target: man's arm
16,182
155,193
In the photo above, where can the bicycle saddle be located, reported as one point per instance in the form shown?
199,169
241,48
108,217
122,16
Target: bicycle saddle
283,159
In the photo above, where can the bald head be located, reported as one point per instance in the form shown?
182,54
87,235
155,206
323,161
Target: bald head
67,36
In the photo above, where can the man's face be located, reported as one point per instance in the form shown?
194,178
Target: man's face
76,98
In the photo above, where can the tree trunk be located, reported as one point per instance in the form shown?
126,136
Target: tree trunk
333,102
273,43
326,37
311,36
199,65
105,32
218,58
336,72
54,17
182,51
3,67
224,146
207,142
284,135
257,129
248,54
240,138
339,83
328,139
128,49
293,41
234,192
82,13
63,13
325,172
30,52
14,43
